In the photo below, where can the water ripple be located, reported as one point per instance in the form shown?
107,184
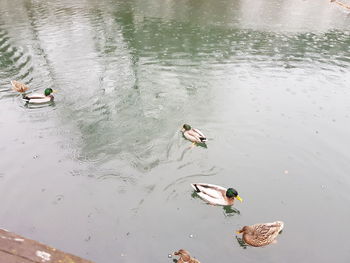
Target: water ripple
14,64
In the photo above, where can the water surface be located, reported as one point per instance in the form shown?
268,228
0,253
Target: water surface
104,173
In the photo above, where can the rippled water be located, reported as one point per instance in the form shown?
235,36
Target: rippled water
104,172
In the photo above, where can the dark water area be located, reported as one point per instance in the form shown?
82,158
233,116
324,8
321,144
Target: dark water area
104,172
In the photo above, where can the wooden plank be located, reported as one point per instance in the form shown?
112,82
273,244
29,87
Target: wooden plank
18,249
9,258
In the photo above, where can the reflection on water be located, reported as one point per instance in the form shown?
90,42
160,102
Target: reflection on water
195,195
267,81
14,64
241,243
115,113
121,105
230,211
38,106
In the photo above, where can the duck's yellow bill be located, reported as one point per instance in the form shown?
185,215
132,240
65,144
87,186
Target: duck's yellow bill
54,91
239,198
237,232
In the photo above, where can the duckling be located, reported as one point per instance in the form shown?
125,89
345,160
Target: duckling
34,97
259,235
193,135
216,195
185,257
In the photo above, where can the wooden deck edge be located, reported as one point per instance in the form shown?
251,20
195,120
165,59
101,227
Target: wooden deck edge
18,249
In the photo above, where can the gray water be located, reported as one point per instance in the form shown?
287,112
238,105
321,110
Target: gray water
104,172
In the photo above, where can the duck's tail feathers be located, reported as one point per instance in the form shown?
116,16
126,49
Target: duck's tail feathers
195,187
281,224
203,139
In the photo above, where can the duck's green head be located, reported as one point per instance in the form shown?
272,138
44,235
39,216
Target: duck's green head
232,193
48,91
186,127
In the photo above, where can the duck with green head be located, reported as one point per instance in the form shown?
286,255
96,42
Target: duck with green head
216,195
192,134
35,98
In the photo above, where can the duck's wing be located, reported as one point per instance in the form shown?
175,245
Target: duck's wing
214,194
213,190
18,86
263,234
36,98
184,255
192,136
199,132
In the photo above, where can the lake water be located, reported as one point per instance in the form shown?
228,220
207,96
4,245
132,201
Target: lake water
104,172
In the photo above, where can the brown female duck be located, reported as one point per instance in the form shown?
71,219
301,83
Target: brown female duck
185,257
259,235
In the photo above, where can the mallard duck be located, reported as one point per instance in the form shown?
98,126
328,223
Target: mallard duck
193,135
35,98
19,87
216,195
259,235
185,257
